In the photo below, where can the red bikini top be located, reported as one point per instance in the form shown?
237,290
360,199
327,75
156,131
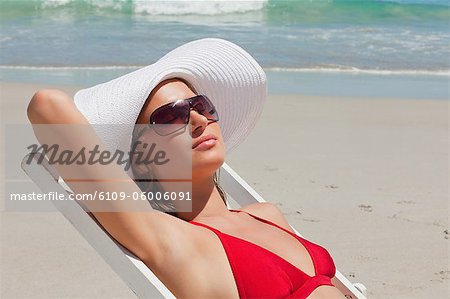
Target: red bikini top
259,273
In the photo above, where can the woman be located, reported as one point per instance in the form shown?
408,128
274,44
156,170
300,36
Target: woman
216,90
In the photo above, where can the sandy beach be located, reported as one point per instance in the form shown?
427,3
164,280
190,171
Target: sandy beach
366,178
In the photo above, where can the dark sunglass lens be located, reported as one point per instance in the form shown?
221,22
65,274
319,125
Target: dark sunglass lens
204,106
169,118
170,114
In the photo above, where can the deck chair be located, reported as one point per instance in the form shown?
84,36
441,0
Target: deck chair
127,266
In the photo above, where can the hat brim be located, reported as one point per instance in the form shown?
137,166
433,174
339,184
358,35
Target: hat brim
219,69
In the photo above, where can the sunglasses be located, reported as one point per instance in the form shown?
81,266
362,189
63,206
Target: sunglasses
177,113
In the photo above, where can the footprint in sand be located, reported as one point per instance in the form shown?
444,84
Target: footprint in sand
365,208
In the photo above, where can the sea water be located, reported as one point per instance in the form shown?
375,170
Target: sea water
398,48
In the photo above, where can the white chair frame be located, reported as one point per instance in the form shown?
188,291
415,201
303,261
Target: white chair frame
127,266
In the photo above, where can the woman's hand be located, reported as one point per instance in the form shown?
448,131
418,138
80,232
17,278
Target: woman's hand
57,122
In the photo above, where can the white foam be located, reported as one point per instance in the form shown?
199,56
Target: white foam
5,38
199,7
54,3
321,69
354,70
74,68
114,4
172,7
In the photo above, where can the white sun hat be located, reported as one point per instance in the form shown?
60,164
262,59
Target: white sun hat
224,72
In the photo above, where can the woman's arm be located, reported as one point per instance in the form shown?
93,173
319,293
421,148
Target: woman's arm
150,235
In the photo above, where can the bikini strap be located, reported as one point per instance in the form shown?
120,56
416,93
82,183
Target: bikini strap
266,221
206,226
218,232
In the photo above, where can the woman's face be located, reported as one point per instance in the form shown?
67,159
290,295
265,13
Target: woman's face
206,159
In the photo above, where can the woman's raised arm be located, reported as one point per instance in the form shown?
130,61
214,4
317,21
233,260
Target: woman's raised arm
151,235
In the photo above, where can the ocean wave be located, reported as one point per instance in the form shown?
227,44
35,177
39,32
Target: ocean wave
188,7
354,70
173,7
421,2
69,68
319,69
275,11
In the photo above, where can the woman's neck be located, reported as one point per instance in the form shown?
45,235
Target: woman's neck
206,201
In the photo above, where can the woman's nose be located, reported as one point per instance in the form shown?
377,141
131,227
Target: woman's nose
197,120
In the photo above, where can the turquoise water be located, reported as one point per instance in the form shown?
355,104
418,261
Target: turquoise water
81,41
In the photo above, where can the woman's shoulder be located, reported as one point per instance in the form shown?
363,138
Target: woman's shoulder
268,211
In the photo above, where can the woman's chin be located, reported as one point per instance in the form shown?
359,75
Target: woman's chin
206,164
207,160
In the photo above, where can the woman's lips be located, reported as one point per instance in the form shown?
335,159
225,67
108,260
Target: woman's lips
206,143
